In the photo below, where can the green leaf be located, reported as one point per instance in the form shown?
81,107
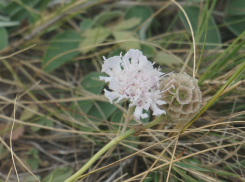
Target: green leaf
164,58
107,16
213,35
34,163
12,8
43,5
32,178
33,159
3,38
32,17
116,52
44,122
20,15
4,18
142,12
8,23
126,35
27,114
148,50
235,7
59,174
156,177
194,1
90,83
127,24
117,118
56,54
32,151
102,110
235,23
86,24
149,177
19,11
92,38
83,106
191,166
134,139
184,175
2,4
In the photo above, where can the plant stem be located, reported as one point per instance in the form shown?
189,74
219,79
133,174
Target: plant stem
127,119
113,142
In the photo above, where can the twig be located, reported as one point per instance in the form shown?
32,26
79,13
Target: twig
11,146
192,34
171,161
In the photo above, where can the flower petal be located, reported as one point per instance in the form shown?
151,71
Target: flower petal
138,113
111,95
156,110
106,79
133,77
110,64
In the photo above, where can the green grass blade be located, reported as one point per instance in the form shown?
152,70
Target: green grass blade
210,102
231,47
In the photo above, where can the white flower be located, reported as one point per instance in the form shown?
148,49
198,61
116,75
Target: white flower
133,77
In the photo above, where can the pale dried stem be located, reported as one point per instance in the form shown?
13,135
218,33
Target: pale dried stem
157,160
192,34
173,154
18,159
11,146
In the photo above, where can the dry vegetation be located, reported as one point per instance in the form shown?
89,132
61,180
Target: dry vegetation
50,90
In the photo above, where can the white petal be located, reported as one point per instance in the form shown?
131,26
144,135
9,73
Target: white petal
114,85
115,63
146,105
156,110
143,61
106,79
111,95
138,113
106,67
160,102
111,63
134,54
120,98
143,116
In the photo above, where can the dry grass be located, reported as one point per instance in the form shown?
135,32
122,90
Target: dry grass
214,142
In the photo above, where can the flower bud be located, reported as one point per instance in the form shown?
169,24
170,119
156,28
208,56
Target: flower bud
182,95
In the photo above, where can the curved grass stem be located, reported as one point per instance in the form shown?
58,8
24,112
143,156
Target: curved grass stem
112,143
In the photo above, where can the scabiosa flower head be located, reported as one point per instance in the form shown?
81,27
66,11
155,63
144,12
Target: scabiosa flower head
133,77
183,97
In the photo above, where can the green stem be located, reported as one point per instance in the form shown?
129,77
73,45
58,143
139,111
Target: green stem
128,118
113,142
